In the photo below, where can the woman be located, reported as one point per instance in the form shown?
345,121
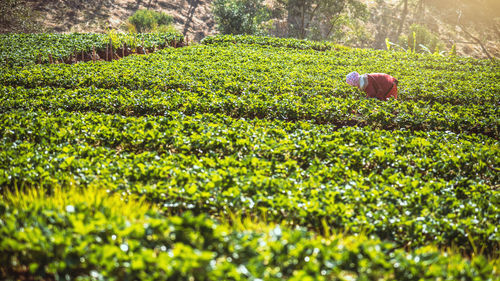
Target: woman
376,85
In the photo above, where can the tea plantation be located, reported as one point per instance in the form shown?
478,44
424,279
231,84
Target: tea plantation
244,158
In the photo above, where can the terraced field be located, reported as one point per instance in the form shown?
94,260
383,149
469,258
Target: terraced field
247,158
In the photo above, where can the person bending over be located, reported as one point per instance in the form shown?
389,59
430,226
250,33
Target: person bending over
376,85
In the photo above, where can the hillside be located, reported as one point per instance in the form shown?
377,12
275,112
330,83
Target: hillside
191,17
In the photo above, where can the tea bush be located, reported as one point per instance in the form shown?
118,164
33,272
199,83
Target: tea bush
27,49
247,154
148,20
91,235
300,172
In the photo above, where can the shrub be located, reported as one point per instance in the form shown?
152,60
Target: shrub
148,20
166,29
90,234
420,39
453,51
239,16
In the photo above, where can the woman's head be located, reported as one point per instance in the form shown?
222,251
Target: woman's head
353,79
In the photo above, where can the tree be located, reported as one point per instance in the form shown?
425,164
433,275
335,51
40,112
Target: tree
321,15
402,19
477,19
239,16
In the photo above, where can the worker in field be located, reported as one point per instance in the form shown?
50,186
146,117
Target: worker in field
376,85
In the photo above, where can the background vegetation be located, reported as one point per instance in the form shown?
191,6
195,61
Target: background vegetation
244,157
358,23
144,21
248,157
468,27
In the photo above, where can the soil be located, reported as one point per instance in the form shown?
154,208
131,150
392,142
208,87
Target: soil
191,17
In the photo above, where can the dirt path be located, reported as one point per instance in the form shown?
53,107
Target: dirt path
191,17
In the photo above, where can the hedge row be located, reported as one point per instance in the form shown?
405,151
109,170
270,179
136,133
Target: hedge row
91,235
266,72
392,115
27,49
410,188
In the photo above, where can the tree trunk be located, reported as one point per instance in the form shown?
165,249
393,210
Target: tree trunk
404,13
294,14
311,18
419,14
302,22
478,41
382,33
332,24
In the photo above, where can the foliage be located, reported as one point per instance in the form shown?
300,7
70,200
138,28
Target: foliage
239,16
88,235
272,41
167,29
453,51
353,33
482,15
420,39
26,49
300,172
250,127
322,19
149,20
336,111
